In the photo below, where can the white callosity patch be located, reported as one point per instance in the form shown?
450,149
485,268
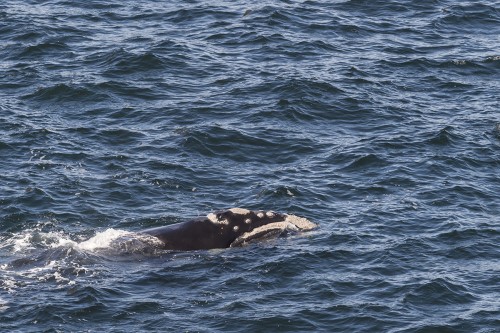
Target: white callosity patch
240,211
236,228
261,232
276,225
214,219
300,222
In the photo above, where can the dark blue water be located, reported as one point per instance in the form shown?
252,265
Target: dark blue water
378,120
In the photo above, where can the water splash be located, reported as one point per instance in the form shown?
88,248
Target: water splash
55,258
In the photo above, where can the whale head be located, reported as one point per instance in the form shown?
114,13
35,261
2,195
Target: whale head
250,226
228,228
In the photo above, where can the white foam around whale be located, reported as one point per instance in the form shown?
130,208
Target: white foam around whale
103,239
107,239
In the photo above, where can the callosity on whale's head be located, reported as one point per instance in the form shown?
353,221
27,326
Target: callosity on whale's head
253,219
250,226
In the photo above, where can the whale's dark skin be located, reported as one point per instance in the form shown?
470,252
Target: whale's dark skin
221,229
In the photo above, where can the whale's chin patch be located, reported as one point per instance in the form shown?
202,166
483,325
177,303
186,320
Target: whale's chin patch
264,232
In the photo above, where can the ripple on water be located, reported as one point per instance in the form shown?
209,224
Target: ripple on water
378,120
65,93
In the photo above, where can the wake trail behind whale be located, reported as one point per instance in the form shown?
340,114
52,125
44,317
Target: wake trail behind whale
30,240
54,257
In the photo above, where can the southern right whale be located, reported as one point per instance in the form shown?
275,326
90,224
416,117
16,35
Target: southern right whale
227,228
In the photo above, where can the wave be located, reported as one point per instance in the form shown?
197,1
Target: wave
66,93
219,141
477,17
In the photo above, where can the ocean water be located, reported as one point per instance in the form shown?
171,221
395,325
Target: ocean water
377,120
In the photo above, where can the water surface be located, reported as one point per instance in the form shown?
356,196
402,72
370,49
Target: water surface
378,120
